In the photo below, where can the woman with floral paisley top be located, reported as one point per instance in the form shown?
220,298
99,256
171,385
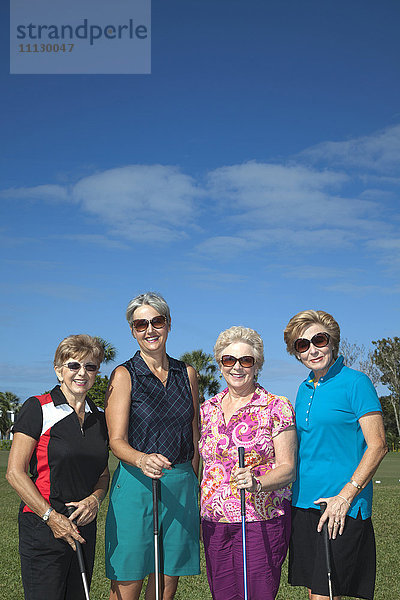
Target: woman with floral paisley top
245,414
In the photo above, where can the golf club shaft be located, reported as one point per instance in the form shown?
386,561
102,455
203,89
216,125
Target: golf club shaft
81,562
327,547
243,513
156,533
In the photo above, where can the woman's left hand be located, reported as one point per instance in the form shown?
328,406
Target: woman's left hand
85,510
245,480
335,513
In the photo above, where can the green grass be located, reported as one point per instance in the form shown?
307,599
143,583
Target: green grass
386,523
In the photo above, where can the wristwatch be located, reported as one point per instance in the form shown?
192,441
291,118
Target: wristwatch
47,514
355,484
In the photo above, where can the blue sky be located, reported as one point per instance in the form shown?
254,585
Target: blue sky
253,174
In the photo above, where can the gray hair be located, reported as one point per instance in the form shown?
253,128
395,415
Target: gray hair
151,299
238,333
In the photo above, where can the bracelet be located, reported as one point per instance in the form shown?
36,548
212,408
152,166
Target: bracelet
97,500
355,484
140,461
343,498
259,485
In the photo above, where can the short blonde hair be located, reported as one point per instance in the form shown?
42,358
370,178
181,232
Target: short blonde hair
238,333
304,319
78,347
151,299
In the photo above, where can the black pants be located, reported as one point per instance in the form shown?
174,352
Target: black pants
49,567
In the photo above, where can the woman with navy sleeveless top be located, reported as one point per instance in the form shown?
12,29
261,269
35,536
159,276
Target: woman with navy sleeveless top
152,418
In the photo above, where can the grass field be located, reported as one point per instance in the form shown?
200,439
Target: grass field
386,516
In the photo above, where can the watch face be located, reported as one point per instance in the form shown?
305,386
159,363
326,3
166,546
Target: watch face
47,514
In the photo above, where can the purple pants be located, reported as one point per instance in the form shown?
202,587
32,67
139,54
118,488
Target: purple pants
266,547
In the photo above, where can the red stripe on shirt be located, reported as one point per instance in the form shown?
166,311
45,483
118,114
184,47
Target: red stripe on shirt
42,456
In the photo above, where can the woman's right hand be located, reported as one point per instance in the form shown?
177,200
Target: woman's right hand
64,529
153,464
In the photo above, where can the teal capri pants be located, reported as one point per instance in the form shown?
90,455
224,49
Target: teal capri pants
129,524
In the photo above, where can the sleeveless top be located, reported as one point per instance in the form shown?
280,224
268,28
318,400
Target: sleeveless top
161,417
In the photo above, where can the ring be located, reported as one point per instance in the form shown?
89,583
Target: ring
337,522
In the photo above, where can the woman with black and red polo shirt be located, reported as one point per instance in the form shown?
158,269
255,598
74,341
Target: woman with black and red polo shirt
61,438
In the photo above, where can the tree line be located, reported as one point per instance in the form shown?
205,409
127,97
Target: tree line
382,365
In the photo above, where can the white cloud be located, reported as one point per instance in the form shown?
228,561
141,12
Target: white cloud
304,238
154,203
223,247
388,252
277,195
293,206
141,202
386,244
48,192
379,151
321,273
94,239
356,289
276,240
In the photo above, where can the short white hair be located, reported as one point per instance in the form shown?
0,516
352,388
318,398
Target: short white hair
237,333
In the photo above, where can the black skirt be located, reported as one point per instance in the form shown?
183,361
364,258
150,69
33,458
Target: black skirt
353,556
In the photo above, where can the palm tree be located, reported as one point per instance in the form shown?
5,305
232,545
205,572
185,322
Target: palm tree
98,391
9,403
110,351
206,370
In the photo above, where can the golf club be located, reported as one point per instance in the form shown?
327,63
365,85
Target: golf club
327,547
243,513
81,562
156,533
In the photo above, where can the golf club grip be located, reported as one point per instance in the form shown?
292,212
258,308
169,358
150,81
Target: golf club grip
322,508
79,553
242,491
155,506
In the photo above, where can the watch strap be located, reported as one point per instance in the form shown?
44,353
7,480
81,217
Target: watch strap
355,484
47,514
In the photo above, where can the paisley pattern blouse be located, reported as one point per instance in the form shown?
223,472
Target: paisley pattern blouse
253,426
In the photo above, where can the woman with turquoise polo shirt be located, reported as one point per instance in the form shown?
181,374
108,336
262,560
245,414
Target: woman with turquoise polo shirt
341,443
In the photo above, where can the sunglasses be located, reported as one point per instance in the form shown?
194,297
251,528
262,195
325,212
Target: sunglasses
75,366
244,361
319,340
157,322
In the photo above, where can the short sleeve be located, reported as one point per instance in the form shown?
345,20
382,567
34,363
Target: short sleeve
364,398
204,415
29,419
282,415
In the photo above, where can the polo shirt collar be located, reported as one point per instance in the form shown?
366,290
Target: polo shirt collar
332,372
142,369
58,398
